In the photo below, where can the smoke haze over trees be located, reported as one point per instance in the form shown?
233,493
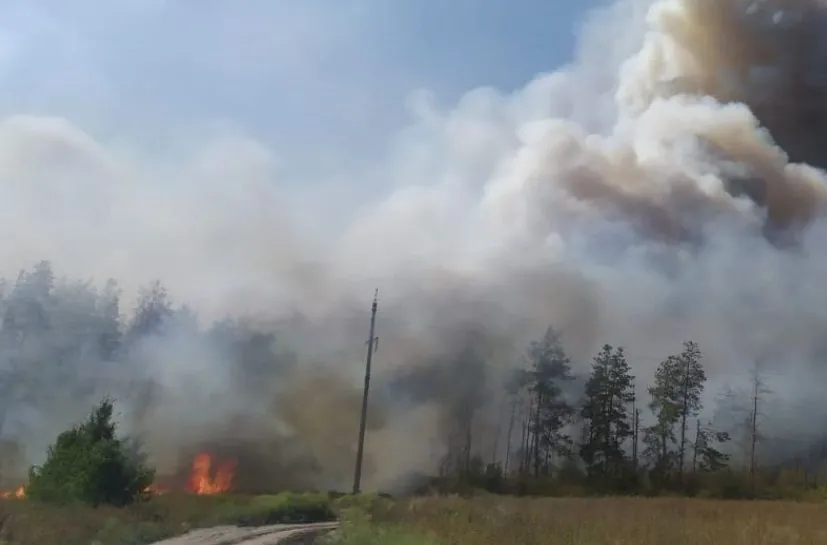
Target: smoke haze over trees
631,198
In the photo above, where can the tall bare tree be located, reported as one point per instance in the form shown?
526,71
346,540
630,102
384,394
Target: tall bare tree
759,391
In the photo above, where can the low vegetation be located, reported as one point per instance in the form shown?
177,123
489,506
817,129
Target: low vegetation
567,450
93,488
284,508
26,522
90,464
598,434
479,520
495,520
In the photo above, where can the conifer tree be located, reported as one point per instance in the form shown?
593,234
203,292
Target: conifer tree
606,413
550,367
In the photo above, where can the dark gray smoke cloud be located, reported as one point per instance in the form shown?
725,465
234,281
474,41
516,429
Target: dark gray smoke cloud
664,186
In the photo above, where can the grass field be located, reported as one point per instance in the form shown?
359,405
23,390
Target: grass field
24,522
612,521
483,520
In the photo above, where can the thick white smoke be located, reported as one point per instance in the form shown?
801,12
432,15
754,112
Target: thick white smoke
597,199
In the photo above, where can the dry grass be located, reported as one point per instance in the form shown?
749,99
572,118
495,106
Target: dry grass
485,520
610,521
29,523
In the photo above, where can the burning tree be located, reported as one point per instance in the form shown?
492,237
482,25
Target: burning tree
90,464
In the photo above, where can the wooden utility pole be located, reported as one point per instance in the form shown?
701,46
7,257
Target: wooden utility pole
372,344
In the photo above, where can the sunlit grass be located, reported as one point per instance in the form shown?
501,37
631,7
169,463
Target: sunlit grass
606,521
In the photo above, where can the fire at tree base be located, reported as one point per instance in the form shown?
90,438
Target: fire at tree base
207,476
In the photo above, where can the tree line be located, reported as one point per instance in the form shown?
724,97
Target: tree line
606,438
66,342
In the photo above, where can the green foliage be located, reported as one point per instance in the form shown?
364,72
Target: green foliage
709,457
603,458
284,508
160,517
382,534
549,368
361,526
89,464
606,413
115,532
676,397
691,377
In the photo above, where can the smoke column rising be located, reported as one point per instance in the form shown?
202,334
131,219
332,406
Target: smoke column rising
633,197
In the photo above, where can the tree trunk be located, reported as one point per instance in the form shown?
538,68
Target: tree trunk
468,447
604,434
635,435
753,432
525,439
537,435
495,447
611,440
684,415
508,436
695,447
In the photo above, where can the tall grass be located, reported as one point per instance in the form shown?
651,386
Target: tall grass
605,521
482,520
24,522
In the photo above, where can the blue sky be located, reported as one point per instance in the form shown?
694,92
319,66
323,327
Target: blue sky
320,74
203,124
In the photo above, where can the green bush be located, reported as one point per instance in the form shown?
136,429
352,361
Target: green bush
359,525
284,508
89,464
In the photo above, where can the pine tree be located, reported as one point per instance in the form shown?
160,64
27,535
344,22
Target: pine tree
153,308
550,367
707,456
691,377
660,436
109,336
609,423
676,398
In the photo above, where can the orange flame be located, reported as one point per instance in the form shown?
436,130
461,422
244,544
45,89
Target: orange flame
200,481
19,494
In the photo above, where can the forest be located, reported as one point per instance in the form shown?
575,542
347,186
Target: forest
556,431
65,344
573,435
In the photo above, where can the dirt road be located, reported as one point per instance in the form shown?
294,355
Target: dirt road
262,535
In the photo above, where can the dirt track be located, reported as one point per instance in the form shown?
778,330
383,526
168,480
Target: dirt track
262,535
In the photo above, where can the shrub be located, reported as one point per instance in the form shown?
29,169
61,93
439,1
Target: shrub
89,464
284,508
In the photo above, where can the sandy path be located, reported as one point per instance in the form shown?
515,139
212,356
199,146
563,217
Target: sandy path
261,535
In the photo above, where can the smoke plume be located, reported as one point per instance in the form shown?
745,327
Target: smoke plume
667,185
